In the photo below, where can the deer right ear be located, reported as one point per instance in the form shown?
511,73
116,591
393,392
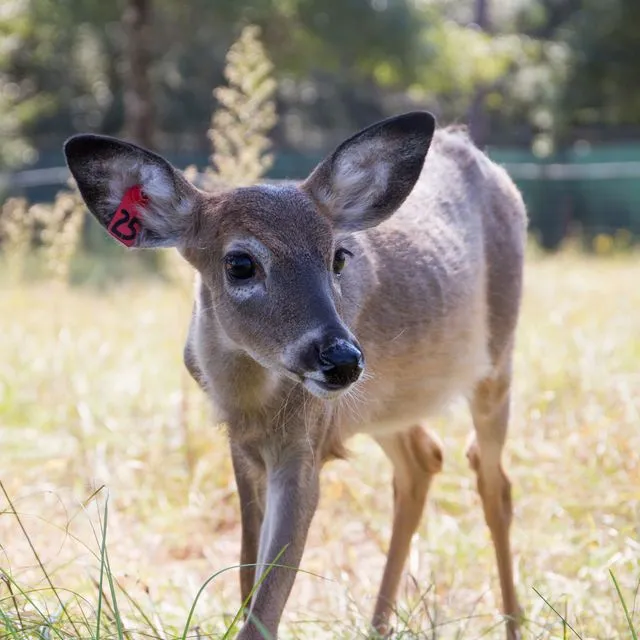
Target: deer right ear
136,195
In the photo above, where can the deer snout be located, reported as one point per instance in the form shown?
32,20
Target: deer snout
328,364
341,363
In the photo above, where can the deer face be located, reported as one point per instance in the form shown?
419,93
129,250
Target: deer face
272,257
274,266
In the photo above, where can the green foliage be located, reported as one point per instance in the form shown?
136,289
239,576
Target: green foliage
628,617
603,85
548,71
65,58
599,39
554,64
55,58
465,58
245,115
337,63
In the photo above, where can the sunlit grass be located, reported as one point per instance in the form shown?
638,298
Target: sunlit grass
93,393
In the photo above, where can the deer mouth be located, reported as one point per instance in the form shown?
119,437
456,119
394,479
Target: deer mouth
324,389
332,386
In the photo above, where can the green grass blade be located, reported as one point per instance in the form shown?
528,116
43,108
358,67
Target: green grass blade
37,557
114,602
200,591
261,628
634,635
247,600
565,624
7,627
140,611
43,616
6,580
103,550
204,586
105,569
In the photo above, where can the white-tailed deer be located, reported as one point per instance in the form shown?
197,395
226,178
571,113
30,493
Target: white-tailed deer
414,266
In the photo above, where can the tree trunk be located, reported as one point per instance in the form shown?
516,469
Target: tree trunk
138,102
478,120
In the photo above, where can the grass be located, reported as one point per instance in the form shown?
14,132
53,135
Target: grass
120,500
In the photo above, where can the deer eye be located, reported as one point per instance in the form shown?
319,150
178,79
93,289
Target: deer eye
239,266
339,260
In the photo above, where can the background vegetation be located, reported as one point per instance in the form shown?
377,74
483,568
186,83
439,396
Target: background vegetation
562,67
93,394
540,82
117,499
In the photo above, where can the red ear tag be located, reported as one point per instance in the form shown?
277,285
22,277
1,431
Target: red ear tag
125,225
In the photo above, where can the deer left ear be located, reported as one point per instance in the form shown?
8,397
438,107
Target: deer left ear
369,175
136,195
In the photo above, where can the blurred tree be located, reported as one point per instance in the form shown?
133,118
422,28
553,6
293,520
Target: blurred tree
74,60
334,60
58,57
603,85
139,118
601,58
546,66
478,121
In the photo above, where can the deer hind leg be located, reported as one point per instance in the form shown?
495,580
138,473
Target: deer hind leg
490,411
416,456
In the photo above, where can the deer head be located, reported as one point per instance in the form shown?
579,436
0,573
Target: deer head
273,258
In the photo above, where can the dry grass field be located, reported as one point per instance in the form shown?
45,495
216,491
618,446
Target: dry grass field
98,418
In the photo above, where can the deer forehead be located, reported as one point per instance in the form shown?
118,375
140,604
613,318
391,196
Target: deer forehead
281,221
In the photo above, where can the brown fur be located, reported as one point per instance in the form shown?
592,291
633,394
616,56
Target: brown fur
431,296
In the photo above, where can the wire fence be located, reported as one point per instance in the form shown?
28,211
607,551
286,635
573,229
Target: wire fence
593,192
58,176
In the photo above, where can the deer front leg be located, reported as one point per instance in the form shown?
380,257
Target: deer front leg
292,490
250,480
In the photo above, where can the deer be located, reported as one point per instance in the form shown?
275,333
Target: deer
360,300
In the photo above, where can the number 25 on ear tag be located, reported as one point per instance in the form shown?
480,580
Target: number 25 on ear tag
125,225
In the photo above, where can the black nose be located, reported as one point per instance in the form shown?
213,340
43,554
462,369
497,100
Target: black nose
342,363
